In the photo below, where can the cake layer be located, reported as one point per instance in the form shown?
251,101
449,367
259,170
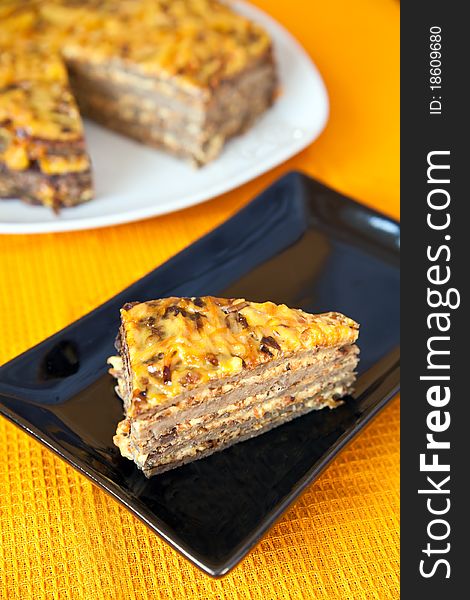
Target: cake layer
158,136
118,81
326,391
156,113
258,380
190,427
236,433
55,191
314,368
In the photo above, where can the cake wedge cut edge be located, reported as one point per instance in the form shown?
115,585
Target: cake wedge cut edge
197,375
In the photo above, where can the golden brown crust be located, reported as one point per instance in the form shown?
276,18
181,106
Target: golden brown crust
196,43
176,344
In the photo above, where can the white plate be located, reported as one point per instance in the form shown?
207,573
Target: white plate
135,182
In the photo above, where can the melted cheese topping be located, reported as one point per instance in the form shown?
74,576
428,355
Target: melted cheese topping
175,344
197,42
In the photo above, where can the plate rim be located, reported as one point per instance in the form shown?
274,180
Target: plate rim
387,387
251,172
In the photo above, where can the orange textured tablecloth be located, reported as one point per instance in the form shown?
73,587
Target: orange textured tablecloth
61,537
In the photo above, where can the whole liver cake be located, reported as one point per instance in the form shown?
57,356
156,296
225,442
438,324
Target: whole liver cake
182,75
197,375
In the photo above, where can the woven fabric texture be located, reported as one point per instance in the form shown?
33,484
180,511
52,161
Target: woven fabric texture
60,536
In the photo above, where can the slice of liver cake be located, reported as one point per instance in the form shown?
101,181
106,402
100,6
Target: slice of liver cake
197,375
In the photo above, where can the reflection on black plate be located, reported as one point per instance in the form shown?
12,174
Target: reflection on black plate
299,243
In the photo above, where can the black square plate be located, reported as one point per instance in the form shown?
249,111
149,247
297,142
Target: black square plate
299,243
